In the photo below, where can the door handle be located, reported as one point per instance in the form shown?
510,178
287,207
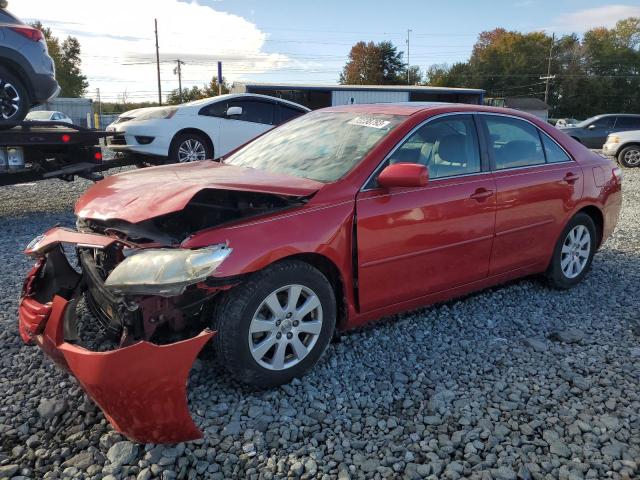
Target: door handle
481,194
571,178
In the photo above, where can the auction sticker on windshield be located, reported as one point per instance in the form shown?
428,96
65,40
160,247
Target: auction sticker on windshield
371,122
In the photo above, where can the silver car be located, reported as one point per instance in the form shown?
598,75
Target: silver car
625,147
27,72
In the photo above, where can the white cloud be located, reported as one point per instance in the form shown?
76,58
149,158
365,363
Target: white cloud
583,20
118,45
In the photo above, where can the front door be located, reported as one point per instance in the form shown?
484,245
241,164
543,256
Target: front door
412,242
257,117
595,134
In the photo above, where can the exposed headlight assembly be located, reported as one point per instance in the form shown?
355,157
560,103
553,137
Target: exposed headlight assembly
165,272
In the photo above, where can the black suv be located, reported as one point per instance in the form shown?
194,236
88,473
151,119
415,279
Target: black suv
592,132
27,73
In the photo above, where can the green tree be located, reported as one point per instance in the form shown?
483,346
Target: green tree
66,58
377,64
211,89
196,93
599,73
188,95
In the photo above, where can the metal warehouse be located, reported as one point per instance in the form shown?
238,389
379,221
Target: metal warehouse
320,96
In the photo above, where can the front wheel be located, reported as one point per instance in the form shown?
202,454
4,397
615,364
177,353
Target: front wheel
189,147
573,253
276,325
630,156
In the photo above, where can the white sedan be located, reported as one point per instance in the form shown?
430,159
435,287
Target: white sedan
207,128
48,116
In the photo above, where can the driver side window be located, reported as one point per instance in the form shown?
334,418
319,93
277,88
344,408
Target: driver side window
606,122
447,147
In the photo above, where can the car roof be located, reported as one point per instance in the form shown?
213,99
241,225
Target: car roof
603,115
410,108
229,96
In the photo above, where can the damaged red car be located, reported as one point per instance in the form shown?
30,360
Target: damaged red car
336,218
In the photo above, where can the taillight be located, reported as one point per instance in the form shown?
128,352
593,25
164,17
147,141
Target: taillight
30,33
66,138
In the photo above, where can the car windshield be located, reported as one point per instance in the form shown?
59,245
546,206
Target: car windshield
39,115
321,146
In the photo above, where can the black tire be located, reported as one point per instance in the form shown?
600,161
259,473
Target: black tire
629,156
556,277
181,139
234,311
14,99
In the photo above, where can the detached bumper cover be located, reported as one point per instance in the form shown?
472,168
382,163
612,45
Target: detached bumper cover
140,388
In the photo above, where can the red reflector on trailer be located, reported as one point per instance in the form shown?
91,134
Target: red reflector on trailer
66,138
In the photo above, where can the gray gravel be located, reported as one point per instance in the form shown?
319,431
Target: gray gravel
517,382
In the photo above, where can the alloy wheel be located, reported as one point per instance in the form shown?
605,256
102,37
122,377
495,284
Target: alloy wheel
575,251
191,150
285,327
9,100
632,157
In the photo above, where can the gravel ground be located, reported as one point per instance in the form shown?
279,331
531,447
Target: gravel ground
516,382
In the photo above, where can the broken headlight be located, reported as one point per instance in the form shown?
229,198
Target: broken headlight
165,272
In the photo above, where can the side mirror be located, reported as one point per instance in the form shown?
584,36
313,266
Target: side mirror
403,175
592,126
234,111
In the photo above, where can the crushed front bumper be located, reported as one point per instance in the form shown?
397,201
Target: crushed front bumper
140,388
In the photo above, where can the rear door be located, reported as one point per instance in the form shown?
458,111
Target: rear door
416,241
537,185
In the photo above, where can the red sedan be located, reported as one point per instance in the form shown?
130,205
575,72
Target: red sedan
334,219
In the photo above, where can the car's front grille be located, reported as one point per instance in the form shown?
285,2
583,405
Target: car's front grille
117,140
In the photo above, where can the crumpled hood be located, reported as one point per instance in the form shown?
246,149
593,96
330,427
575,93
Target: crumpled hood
146,193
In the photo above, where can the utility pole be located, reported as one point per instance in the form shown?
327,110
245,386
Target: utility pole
99,108
408,62
158,63
178,71
549,76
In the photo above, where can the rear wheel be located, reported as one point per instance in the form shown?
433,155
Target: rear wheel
630,156
14,99
573,253
189,147
276,325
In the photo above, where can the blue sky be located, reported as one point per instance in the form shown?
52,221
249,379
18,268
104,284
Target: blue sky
442,32
284,40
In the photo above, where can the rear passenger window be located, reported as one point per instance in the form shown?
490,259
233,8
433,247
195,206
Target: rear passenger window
628,122
515,143
6,17
284,114
555,154
447,146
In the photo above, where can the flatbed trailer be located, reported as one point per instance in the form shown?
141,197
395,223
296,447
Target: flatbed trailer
34,151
